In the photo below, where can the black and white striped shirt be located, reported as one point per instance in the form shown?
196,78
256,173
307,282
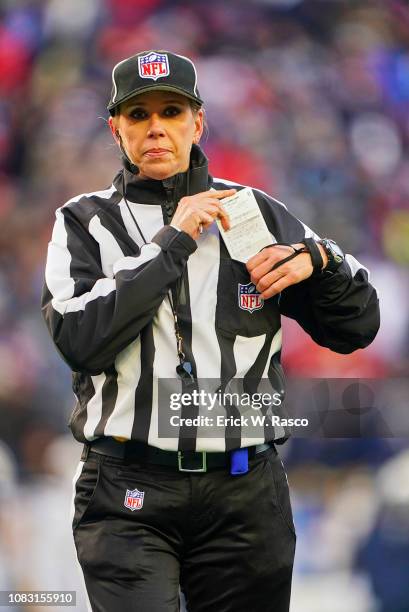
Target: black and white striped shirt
105,305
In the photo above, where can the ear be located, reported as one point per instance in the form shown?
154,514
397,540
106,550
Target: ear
114,129
199,121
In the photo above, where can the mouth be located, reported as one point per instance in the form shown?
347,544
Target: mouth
156,152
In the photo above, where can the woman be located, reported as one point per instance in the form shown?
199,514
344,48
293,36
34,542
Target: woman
141,287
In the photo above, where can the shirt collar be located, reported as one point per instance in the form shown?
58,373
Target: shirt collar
149,191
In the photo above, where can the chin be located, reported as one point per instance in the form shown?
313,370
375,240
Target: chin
159,172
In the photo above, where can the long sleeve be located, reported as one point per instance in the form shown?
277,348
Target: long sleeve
91,317
339,311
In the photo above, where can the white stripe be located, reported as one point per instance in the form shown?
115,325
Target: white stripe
105,194
164,366
309,233
148,252
217,444
203,272
57,272
113,77
102,288
153,437
94,407
245,352
275,347
354,265
148,216
194,70
128,366
110,250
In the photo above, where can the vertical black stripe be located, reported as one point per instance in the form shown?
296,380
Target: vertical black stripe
85,264
253,376
277,381
83,387
143,392
187,435
228,366
109,397
228,370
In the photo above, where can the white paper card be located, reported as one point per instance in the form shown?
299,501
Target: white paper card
248,232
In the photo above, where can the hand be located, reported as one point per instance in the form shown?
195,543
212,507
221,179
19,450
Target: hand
201,209
269,282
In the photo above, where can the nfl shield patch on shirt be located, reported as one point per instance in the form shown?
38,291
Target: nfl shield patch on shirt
249,297
153,66
134,499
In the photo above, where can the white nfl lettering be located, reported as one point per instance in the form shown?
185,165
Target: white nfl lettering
153,66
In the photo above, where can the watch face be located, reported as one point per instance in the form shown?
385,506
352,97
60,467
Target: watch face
334,252
338,254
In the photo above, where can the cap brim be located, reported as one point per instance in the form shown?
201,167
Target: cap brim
154,87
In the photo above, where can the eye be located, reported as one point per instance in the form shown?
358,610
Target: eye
172,111
138,113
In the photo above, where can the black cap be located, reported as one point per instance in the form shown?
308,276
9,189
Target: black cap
153,70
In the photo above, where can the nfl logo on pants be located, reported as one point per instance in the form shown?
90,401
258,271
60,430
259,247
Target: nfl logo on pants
134,499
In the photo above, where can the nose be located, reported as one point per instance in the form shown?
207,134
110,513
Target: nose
155,128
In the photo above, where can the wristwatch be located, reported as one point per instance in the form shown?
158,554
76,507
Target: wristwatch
334,254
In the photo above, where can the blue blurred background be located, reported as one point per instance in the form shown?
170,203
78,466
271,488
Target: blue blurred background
307,100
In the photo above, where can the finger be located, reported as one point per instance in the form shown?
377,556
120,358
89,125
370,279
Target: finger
269,279
261,270
206,219
277,287
258,259
225,223
224,218
215,210
273,254
224,193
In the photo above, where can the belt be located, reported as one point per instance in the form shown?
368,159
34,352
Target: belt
184,461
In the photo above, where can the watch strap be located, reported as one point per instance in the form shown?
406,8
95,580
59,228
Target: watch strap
315,253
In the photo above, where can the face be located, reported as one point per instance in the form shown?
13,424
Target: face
157,130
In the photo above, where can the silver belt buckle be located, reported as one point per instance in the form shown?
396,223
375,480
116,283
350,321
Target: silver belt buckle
203,467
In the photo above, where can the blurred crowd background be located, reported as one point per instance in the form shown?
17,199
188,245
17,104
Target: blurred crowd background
307,100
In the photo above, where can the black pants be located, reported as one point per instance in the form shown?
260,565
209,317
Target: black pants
229,541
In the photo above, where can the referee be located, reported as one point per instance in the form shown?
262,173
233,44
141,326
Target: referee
140,287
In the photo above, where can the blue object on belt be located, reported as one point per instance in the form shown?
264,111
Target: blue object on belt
239,461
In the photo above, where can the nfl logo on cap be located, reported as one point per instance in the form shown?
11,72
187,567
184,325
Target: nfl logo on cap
249,298
153,66
134,499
